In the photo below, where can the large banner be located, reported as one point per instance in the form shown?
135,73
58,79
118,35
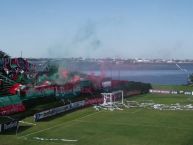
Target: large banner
39,91
7,110
93,101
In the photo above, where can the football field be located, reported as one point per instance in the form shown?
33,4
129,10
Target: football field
136,126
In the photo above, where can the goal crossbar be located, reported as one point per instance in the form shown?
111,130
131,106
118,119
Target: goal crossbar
109,98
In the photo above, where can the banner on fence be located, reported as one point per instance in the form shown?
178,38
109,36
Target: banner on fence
7,110
8,126
57,110
170,92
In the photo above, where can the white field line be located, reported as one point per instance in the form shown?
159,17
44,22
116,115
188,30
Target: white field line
127,124
54,139
24,122
24,136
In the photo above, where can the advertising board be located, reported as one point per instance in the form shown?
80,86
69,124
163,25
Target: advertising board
58,110
8,126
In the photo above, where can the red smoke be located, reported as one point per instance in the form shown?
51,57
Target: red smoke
63,73
75,79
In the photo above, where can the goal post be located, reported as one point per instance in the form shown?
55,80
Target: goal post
113,97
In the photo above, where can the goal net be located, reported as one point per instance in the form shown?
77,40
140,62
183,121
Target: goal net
113,100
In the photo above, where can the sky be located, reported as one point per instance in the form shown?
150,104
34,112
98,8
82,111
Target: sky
97,28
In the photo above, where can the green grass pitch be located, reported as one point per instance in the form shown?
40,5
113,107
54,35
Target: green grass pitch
128,127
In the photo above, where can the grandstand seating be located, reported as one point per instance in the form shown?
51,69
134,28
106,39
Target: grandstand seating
5,86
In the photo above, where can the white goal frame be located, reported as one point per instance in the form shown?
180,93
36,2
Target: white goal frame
109,99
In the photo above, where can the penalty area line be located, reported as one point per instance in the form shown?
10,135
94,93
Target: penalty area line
55,139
